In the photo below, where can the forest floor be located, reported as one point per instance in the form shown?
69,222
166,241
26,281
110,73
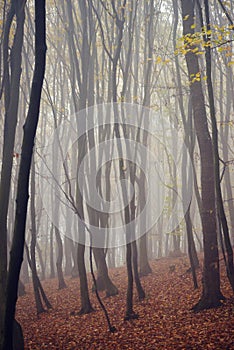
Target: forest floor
165,317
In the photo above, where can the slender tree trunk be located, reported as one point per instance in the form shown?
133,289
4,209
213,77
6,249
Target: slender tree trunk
52,272
61,282
40,293
86,306
211,294
145,268
30,127
68,256
219,196
42,264
38,301
11,95
140,290
189,142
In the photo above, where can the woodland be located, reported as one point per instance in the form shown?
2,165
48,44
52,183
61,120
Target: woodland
116,183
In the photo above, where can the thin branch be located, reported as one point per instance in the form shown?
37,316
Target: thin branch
226,13
102,32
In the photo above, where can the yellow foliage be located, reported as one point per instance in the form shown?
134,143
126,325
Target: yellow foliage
158,59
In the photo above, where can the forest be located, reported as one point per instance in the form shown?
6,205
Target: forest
117,174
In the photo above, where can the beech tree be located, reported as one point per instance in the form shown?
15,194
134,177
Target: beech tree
211,294
16,255
219,195
11,86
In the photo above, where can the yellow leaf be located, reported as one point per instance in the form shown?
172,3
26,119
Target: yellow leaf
158,59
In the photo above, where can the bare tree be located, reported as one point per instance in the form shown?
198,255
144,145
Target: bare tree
11,80
24,171
211,294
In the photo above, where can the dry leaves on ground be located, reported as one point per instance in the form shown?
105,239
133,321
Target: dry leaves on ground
166,320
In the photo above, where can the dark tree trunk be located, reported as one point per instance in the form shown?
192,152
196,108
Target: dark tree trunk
191,248
82,80
129,302
86,306
38,289
130,314
145,268
68,256
140,290
59,261
16,255
33,264
11,95
211,294
42,264
103,280
190,143
18,338
219,196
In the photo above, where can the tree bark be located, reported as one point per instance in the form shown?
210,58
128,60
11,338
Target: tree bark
33,265
61,281
211,294
219,196
30,127
11,95
103,280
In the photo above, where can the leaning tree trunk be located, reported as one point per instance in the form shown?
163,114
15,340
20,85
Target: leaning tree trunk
11,95
30,127
211,294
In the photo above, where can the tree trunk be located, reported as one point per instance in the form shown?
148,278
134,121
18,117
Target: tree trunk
39,291
33,265
68,256
103,280
211,294
30,127
140,290
52,272
61,282
11,95
219,196
86,306
145,268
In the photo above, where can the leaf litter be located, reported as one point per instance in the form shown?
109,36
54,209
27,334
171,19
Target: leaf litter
166,321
